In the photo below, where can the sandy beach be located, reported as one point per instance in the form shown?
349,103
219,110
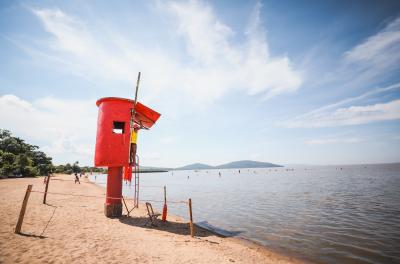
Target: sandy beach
73,229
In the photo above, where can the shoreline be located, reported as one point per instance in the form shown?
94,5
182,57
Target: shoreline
246,241
74,229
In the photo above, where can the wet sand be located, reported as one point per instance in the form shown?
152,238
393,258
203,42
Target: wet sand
74,229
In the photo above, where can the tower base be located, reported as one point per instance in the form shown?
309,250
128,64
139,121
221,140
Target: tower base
113,210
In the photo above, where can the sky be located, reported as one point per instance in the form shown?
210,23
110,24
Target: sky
287,82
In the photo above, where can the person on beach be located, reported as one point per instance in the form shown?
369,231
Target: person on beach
77,178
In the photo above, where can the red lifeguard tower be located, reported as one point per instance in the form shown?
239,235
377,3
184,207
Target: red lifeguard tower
116,117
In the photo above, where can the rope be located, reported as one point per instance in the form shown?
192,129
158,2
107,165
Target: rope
64,180
107,197
141,186
48,222
80,195
156,201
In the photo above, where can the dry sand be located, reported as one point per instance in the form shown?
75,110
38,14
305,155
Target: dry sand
70,229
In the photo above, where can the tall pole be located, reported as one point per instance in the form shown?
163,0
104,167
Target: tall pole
132,122
132,157
137,88
135,102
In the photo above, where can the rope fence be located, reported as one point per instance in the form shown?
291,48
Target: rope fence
122,199
107,197
141,186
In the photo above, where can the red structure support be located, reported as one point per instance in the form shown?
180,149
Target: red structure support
113,205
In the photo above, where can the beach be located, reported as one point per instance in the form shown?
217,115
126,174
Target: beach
73,228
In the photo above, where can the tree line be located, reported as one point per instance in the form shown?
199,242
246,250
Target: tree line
75,168
18,158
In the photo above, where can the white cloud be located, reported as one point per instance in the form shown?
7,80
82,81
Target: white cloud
167,140
371,62
222,66
383,47
353,115
213,66
68,32
368,62
325,141
336,115
65,128
206,37
74,46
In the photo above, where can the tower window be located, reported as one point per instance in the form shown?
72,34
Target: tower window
118,127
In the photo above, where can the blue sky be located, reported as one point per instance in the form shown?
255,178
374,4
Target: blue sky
303,82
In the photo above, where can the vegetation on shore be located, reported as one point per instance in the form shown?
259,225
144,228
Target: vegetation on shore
75,168
20,159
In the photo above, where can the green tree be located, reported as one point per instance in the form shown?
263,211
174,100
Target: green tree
68,168
20,158
76,168
21,164
42,162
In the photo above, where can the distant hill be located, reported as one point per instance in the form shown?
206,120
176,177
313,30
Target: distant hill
231,165
196,166
246,164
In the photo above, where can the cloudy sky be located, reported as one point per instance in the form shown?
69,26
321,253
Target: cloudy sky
297,82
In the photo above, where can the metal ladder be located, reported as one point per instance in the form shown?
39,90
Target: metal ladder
136,183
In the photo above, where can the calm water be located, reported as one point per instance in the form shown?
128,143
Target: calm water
330,214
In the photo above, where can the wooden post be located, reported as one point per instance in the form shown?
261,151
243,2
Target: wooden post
45,190
23,208
191,218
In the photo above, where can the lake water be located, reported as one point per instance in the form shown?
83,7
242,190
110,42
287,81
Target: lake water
329,214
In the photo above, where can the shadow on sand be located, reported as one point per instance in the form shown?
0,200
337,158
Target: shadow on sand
31,235
173,227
